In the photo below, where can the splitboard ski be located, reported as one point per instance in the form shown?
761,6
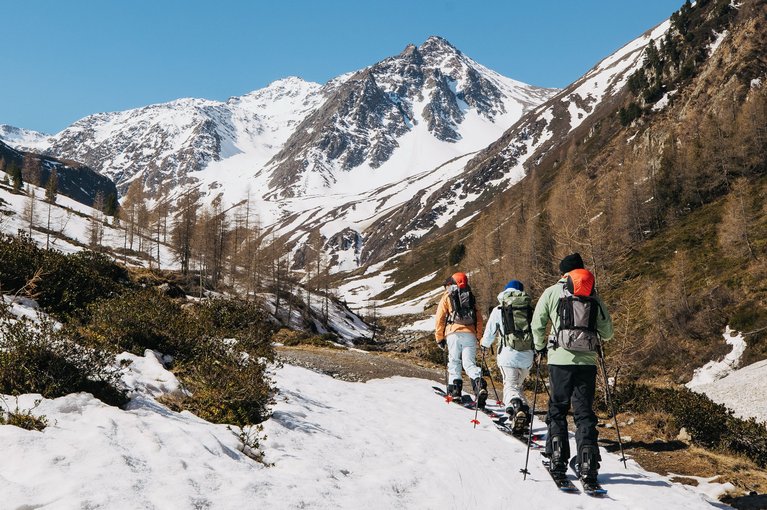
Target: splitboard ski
561,480
592,489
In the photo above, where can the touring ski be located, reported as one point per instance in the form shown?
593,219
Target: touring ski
560,479
591,488
535,444
467,402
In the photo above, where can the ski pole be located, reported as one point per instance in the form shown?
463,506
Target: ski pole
498,401
444,357
601,355
524,471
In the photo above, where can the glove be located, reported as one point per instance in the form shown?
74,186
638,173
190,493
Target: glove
542,351
442,344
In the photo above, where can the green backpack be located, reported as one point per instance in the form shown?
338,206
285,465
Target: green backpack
516,314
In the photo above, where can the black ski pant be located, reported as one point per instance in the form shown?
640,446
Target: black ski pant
576,384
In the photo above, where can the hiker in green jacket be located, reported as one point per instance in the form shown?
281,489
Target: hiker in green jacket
579,322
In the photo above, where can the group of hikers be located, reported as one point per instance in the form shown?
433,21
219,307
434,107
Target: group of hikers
579,323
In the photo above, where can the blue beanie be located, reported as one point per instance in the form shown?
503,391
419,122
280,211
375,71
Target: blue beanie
514,284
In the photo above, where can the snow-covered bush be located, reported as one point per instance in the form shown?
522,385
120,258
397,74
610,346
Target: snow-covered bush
228,375
22,418
226,386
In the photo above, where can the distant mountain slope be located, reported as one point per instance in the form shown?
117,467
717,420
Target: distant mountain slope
75,180
22,137
333,157
504,162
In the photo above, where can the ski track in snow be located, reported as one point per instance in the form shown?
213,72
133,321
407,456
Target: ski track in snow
387,443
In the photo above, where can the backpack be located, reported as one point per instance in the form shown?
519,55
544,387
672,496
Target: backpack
577,309
463,306
516,314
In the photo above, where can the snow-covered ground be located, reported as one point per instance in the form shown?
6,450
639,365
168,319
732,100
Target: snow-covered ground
726,384
388,443
742,391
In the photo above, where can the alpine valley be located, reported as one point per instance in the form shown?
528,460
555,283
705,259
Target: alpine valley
331,214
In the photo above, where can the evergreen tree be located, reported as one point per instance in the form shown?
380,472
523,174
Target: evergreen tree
111,205
15,173
52,187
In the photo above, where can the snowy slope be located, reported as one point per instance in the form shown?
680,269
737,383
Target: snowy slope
724,381
333,444
68,218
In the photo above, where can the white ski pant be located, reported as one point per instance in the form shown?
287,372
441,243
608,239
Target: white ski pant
462,349
512,383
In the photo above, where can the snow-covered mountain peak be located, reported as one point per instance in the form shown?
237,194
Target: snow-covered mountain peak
438,45
18,137
290,87
432,93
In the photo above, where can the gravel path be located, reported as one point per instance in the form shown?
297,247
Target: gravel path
355,365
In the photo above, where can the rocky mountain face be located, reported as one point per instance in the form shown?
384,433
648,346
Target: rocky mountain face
75,180
165,143
425,90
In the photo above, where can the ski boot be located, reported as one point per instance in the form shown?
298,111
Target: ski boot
454,390
587,468
520,414
558,456
480,390
588,464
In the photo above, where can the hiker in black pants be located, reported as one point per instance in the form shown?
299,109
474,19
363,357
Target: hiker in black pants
579,320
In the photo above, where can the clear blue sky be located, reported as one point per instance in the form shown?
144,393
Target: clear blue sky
63,60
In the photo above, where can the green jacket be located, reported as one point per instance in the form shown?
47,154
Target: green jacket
546,310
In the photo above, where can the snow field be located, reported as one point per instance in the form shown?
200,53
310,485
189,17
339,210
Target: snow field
388,443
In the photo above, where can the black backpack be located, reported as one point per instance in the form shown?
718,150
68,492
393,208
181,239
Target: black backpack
463,307
516,315
578,311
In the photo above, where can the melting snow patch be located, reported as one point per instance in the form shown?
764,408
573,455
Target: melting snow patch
719,38
739,392
147,375
663,102
422,325
715,370
708,486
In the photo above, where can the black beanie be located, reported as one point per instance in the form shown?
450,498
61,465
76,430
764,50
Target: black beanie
572,261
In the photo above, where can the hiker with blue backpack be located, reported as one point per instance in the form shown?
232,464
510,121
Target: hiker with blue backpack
509,323
579,323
